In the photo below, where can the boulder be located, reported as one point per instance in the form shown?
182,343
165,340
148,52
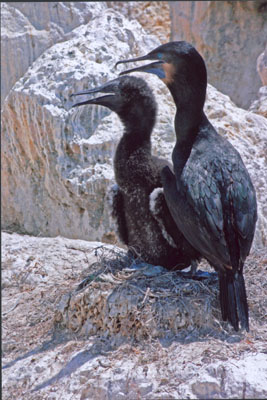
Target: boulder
230,35
63,156
29,28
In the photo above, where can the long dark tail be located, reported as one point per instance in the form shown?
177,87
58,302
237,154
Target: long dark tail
233,299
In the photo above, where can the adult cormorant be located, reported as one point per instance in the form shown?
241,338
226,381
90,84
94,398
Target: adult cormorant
210,195
139,207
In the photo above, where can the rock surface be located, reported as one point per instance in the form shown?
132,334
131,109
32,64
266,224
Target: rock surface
29,28
262,66
154,16
63,157
259,106
230,35
45,360
25,35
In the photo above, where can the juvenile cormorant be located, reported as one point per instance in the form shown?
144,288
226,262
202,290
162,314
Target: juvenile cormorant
138,206
210,195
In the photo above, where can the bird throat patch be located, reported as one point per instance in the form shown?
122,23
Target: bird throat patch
169,70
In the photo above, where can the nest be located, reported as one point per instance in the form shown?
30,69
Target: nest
123,296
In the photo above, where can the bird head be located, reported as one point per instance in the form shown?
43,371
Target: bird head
128,96
110,100
177,64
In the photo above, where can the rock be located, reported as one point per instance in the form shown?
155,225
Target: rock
145,12
25,35
262,66
57,161
221,31
29,28
259,106
45,262
63,155
45,360
231,380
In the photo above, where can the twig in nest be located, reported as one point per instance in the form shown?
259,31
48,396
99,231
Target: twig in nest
145,297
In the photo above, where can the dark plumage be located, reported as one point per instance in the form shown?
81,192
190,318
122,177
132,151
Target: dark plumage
144,221
210,195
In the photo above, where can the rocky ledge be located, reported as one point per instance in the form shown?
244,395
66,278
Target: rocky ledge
82,321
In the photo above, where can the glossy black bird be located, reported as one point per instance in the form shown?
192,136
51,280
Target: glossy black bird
210,195
138,206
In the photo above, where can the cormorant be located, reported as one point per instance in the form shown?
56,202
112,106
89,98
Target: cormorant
210,195
138,206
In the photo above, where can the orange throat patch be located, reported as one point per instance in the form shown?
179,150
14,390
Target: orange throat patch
169,73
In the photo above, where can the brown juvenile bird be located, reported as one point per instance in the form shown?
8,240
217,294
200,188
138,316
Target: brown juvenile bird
139,207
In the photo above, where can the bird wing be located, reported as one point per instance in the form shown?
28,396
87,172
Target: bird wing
203,195
242,198
223,198
118,213
184,210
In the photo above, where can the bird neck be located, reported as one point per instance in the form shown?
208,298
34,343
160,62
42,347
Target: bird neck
187,127
137,131
133,140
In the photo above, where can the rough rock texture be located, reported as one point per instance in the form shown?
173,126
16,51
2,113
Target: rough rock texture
61,157
259,106
262,66
154,16
57,161
29,28
230,35
43,360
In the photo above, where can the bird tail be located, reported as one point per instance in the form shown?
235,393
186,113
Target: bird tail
233,299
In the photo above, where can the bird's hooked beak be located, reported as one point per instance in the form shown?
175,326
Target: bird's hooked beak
110,100
156,68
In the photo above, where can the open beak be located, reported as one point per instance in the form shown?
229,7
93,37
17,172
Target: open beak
142,58
155,68
105,101
109,87
111,100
